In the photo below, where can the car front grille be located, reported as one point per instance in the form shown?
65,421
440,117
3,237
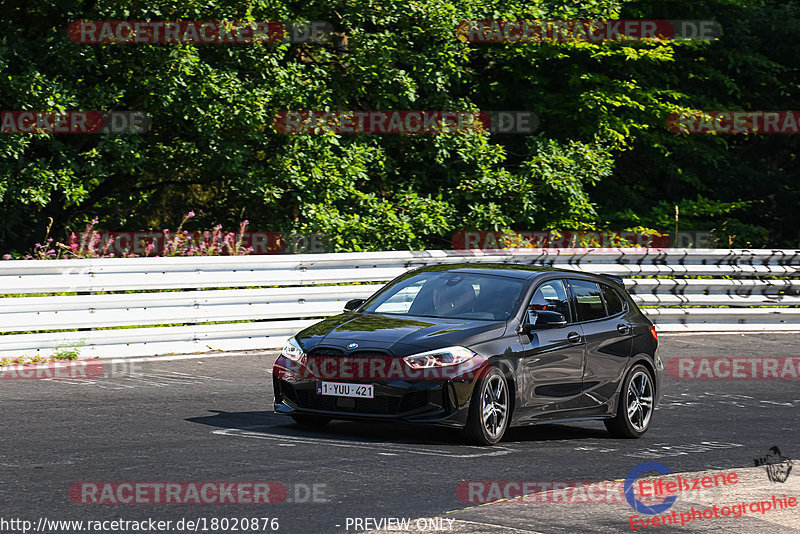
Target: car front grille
325,352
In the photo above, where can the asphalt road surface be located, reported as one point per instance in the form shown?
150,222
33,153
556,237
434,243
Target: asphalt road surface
211,419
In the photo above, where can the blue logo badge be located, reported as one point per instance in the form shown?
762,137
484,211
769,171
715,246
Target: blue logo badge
638,505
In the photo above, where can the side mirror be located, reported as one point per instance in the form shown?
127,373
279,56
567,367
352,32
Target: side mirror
541,319
352,305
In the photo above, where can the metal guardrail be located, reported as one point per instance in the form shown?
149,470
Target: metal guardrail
145,294
714,292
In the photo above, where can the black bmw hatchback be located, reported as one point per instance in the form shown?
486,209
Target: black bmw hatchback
478,347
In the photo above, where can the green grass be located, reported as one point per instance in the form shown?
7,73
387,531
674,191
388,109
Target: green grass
65,353
62,353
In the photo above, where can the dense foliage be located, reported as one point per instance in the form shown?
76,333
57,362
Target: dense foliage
602,157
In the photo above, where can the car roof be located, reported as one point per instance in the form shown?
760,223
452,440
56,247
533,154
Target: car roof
511,270
519,271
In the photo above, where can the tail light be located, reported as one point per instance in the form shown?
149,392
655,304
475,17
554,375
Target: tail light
653,332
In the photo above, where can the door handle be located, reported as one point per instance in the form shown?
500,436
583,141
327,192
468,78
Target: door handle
574,337
623,328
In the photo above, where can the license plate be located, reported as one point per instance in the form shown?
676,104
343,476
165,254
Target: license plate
344,389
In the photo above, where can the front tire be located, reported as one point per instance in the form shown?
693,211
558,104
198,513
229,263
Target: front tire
489,409
310,420
634,405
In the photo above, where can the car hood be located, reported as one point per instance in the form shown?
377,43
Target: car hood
400,335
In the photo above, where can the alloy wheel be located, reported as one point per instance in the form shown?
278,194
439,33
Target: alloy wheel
494,405
640,401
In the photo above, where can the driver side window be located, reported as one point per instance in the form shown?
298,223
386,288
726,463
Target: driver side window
552,296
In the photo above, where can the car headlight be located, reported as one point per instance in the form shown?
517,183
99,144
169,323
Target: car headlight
292,350
439,357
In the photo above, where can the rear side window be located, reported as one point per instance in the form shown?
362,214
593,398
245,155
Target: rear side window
613,300
587,300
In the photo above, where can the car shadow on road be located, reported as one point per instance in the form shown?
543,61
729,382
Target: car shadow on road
272,424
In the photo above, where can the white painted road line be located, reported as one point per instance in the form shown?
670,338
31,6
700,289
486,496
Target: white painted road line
262,432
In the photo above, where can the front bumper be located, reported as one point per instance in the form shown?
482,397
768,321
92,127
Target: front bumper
444,402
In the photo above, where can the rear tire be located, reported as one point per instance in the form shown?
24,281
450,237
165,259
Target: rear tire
489,409
310,420
634,405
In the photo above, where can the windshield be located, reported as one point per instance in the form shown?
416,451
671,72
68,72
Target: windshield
450,295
